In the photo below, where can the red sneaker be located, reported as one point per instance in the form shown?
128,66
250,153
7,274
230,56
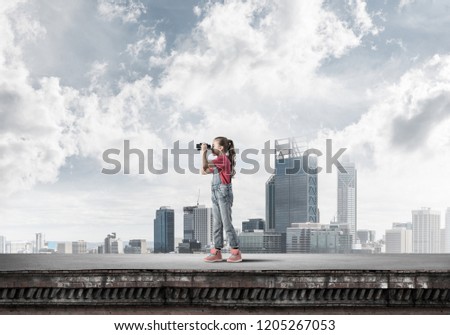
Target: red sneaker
235,256
215,255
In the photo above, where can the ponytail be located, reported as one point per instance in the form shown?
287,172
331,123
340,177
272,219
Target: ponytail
232,157
230,150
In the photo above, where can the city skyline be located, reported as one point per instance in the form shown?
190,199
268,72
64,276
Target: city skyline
370,76
424,234
179,226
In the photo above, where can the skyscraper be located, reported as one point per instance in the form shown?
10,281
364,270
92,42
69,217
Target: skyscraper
2,244
398,240
253,224
260,242
164,230
188,222
447,231
291,192
298,239
136,246
197,224
112,245
40,241
406,225
366,236
79,247
442,243
426,231
310,237
64,248
347,196
117,246
203,231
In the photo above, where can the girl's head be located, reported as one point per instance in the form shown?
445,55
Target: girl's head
221,146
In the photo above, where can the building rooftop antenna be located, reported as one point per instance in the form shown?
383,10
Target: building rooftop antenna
198,197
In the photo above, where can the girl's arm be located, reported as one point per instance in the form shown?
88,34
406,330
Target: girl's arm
205,164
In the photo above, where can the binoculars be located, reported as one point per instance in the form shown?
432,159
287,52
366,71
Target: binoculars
199,146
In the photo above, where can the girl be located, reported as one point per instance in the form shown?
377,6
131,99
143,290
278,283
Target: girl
222,169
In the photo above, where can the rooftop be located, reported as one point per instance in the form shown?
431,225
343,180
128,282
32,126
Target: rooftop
262,283
251,262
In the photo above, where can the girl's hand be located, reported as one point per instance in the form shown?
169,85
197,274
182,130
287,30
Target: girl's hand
204,147
204,172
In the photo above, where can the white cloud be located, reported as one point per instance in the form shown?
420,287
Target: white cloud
249,70
243,56
261,56
151,43
363,19
44,123
36,129
404,3
26,28
252,60
398,42
401,146
197,10
126,10
98,69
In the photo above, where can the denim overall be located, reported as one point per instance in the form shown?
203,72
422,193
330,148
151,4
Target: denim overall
222,200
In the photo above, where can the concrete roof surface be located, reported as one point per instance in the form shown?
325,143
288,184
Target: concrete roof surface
251,262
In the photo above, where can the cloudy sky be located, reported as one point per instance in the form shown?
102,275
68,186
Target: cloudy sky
79,77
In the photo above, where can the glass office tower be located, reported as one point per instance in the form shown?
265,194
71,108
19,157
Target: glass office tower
164,230
292,191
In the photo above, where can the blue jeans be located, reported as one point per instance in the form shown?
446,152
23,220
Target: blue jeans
222,201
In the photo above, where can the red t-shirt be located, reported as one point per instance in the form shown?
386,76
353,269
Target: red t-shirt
223,164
